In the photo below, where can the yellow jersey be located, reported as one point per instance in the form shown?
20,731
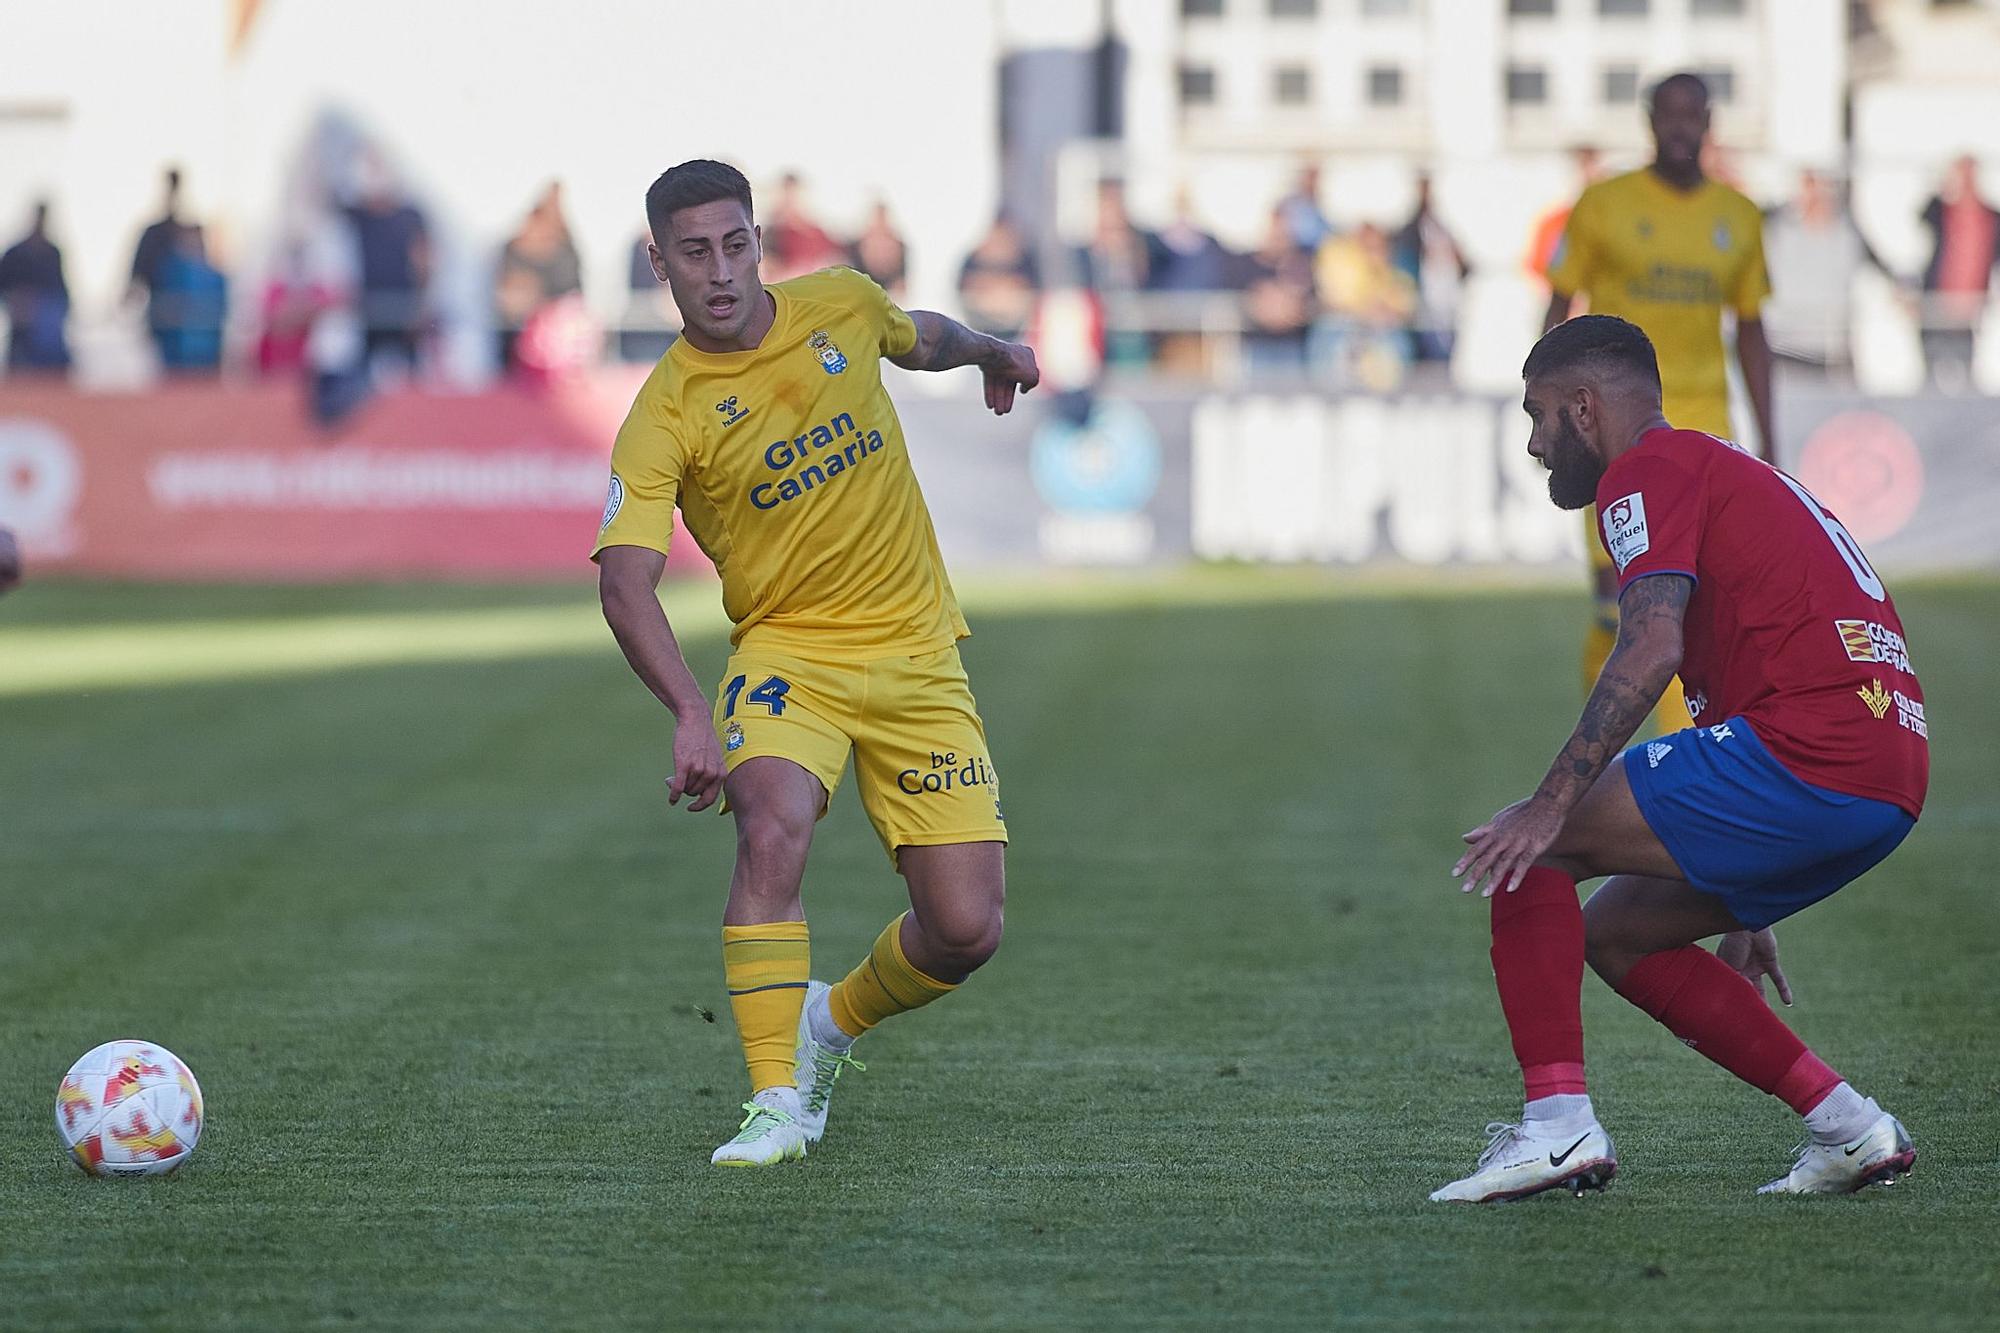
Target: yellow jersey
1670,261
789,467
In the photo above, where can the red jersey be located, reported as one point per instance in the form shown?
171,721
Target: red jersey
1789,627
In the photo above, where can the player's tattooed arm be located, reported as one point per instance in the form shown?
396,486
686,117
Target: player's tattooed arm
1647,654
943,343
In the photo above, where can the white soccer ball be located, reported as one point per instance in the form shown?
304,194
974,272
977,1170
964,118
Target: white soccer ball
129,1108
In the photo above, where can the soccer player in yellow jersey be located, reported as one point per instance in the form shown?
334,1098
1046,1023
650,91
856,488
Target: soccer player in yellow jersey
1669,249
769,427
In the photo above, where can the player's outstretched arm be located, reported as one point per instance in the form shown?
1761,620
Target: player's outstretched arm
1647,655
943,343
628,578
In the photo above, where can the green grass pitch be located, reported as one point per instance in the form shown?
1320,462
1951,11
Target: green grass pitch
391,868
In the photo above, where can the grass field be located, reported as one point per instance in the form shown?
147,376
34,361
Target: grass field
391,869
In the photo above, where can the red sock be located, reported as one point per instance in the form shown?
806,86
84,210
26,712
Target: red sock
1707,1004
1538,967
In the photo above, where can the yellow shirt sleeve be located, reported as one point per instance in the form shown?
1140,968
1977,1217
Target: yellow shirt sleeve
1753,284
1575,259
647,466
895,330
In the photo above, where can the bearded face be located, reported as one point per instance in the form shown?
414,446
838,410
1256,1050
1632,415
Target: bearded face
1574,469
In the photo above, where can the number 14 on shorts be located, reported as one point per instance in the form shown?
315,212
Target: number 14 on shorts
771,695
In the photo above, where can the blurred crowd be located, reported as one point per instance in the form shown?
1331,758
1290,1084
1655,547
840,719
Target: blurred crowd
348,300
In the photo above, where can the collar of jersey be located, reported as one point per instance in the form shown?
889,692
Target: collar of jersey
693,356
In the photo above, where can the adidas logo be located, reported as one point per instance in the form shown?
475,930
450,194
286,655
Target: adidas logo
1655,752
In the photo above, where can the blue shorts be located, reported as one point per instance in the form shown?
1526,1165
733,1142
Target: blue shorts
1741,827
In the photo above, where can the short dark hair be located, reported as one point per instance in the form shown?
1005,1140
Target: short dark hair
1685,79
690,184
1595,345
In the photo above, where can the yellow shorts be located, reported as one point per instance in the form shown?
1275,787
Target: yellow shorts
921,762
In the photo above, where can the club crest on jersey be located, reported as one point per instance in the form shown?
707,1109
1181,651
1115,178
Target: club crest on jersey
831,359
1721,236
732,737
613,502
731,413
1625,533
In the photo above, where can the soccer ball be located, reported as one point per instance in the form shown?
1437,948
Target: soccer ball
129,1108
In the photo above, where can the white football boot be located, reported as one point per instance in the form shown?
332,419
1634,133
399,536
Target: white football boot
1880,1154
1521,1160
770,1134
818,1067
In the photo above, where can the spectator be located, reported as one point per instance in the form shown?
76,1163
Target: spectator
296,294
998,282
1278,299
1813,251
156,242
1190,259
1367,302
36,299
794,243
538,266
1301,210
10,561
1548,232
1429,255
1964,230
1120,258
189,301
879,252
652,321
395,251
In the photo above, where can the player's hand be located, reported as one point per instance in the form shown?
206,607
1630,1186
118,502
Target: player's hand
1754,954
1013,369
1507,846
698,766
10,561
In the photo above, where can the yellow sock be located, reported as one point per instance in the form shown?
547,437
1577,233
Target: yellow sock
884,984
766,968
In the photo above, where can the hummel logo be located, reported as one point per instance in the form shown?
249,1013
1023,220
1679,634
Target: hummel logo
1655,752
1558,1161
731,413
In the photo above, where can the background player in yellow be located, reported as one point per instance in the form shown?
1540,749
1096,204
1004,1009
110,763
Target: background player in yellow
1670,250
768,426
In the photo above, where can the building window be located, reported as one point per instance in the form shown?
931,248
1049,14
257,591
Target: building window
1721,81
1621,85
1522,9
1385,85
1624,8
1291,85
1197,85
1722,9
1294,9
1384,9
1527,85
1201,9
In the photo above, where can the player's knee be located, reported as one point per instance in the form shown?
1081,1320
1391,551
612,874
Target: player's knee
773,837
967,939
1606,946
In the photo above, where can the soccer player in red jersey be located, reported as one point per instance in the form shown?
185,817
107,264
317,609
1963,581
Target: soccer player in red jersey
1806,766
